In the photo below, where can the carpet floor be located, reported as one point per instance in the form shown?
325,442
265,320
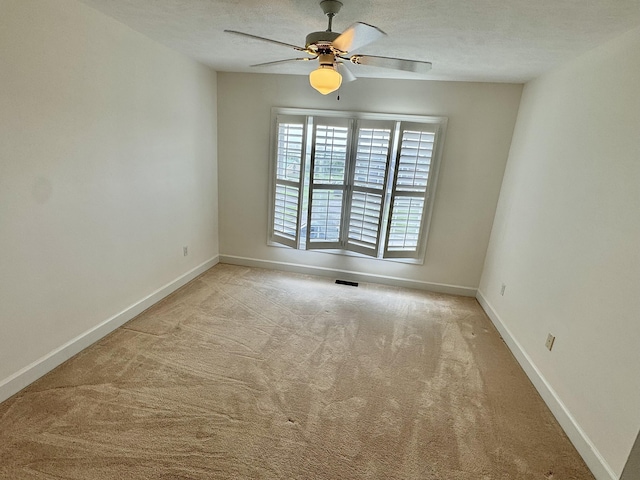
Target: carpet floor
255,374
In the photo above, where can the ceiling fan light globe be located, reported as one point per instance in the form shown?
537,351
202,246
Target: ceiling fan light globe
325,80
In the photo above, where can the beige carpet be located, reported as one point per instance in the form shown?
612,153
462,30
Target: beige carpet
249,373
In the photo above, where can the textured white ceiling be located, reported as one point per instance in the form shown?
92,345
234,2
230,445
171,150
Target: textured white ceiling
472,40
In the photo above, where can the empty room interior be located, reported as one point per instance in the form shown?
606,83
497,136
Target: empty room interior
409,251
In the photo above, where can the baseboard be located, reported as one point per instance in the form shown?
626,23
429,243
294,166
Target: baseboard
16,382
585,447
350,275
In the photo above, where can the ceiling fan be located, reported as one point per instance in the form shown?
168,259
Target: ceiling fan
331,49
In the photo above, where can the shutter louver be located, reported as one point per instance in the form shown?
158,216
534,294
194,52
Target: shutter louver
289,165
373,145
409,195
406,218
289,151
286,211
414,162
326,214
364,221
372,157
328,175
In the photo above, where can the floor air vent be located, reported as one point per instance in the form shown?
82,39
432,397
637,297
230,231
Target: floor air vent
345,282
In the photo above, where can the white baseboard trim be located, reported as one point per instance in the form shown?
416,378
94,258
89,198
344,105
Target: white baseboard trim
592,457
350,275
27,375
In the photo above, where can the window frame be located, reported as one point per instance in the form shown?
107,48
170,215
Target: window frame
434,124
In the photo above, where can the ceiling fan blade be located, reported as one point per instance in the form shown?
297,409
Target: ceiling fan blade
395,63
357,36
347,74
255,37
304,59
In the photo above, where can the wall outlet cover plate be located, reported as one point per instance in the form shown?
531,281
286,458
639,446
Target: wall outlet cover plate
549,342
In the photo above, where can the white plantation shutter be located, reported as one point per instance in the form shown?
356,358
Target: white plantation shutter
369,170
355,182
410,192
289,167
329,152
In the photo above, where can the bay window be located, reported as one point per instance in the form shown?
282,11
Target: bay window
354,182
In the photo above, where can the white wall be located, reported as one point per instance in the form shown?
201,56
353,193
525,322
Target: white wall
481,120
107,168
632,468
566,242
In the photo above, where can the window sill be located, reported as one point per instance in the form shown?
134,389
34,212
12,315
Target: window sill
349,253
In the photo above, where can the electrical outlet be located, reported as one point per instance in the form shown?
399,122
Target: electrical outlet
550,340
502,289
185,250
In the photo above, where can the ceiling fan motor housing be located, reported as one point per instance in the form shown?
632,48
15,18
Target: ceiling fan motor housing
320,39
